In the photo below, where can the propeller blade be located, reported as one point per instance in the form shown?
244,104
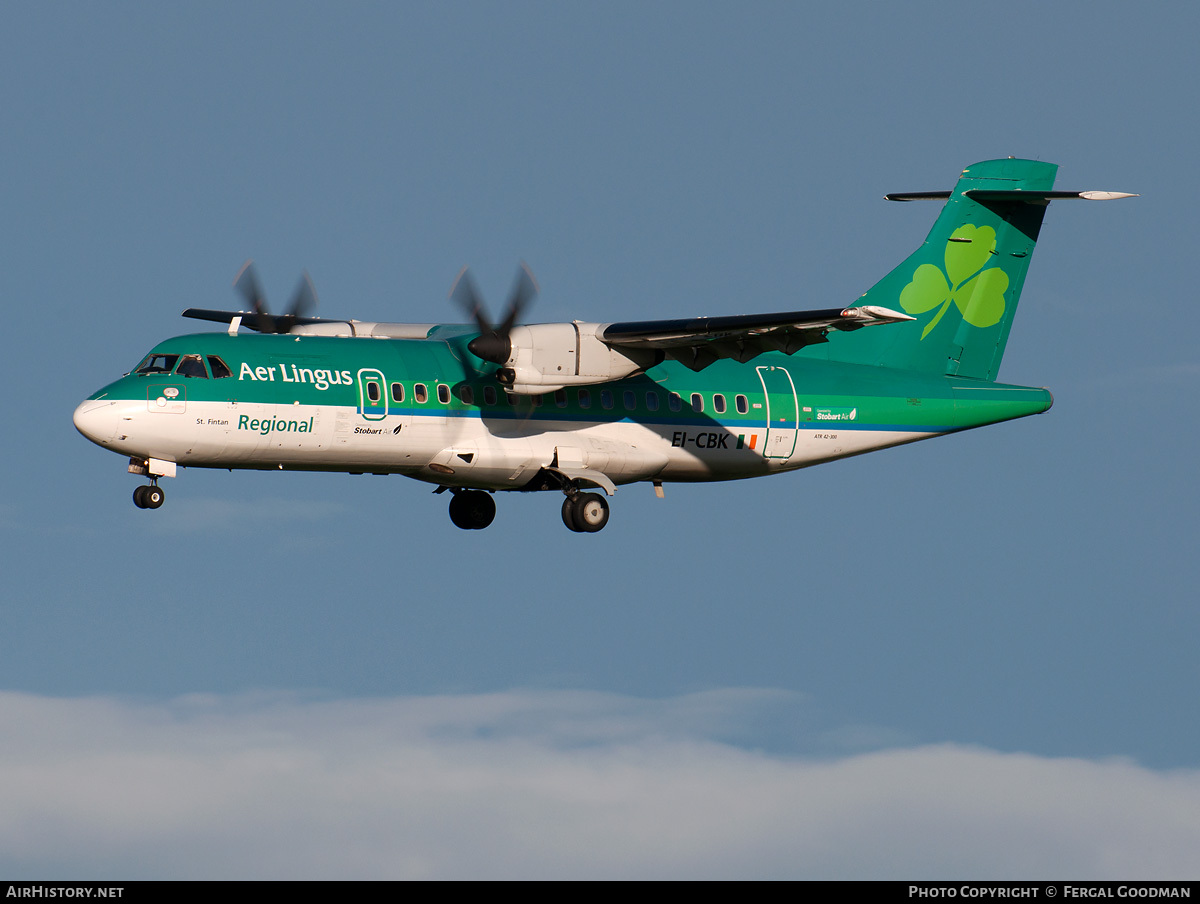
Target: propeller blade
524,290
465,294
303,301
493,344
246,282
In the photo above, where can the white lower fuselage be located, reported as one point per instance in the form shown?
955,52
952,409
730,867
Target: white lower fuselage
455,450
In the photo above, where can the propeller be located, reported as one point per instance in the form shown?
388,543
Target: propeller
303,301
493,344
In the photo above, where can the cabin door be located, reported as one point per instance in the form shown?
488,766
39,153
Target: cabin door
372,394
782,411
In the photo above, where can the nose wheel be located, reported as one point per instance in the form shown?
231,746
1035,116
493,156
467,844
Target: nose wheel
585,513
149,497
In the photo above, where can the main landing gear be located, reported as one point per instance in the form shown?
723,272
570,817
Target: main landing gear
149,497
585,513
472,509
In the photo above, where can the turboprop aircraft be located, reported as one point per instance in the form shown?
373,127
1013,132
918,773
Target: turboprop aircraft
575,407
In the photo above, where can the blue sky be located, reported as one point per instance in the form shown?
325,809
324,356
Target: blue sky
950,633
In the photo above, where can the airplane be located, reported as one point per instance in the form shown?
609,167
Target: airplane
577,407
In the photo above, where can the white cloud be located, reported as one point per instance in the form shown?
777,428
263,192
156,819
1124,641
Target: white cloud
546,784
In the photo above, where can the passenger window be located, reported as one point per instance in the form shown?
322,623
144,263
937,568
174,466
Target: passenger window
652,401
629,399
373,391
536,400
157,364
606,399
467,394
697,402
420,393
443,393
192,366
397,393
560,398
489,395
218,367
719,403
742,405
585,398
674,401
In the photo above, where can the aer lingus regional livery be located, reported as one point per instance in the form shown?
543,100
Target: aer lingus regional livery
574,407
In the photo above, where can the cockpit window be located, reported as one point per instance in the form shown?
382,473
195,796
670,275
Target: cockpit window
218,367
192,366
157,364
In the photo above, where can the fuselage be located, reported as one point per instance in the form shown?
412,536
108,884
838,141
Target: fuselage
428,409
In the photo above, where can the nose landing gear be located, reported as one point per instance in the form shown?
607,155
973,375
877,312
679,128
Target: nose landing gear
149,497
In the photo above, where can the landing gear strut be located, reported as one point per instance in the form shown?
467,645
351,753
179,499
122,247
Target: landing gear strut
472,509
585,512
149,497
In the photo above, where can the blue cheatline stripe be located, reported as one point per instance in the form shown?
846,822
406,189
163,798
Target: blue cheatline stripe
886,428
730,426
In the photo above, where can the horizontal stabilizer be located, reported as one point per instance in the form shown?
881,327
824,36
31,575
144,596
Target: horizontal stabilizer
917,196
1032,197
1037,197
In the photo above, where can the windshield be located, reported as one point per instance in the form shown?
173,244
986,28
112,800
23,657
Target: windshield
219,368
157,364
192,366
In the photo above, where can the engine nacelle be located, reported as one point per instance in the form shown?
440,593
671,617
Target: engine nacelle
546,357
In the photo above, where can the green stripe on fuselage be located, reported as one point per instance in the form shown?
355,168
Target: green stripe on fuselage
318,370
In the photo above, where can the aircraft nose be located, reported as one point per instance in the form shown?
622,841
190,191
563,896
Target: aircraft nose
97,420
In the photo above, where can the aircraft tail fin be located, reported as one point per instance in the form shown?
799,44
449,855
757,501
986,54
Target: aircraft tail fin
964,282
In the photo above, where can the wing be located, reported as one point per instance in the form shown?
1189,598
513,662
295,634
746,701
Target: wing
700,341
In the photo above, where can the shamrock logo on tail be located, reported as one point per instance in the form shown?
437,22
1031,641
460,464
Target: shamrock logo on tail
978,292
